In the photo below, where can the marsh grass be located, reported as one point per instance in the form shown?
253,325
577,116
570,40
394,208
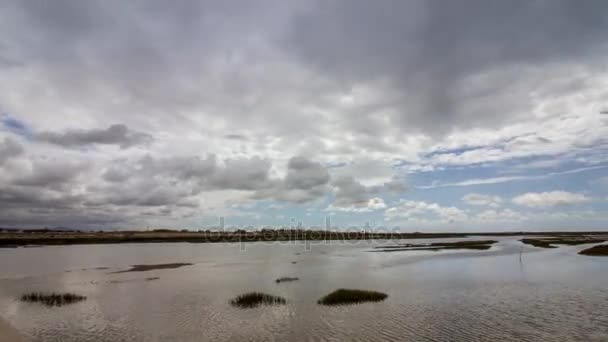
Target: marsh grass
569,241
601,250
286,279
145,268
438,246
52,299
350,296
255,299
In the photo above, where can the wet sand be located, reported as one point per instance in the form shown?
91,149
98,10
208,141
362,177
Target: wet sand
8,333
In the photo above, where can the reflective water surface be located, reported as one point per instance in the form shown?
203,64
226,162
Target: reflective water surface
509,293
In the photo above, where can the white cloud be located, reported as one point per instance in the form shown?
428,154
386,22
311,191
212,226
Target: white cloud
376,203
506,179
417,210
482,200
373,204
549,199
500,215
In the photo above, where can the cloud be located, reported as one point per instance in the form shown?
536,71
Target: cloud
376,203
332,102
349,192
444,69
506,179
373,204
305,181
9,148
117,134
51,173
506,215
549,199
482,200
305,174
421,210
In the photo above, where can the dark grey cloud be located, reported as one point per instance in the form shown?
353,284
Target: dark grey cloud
303,173
434,52
9,148
242,174
117,134
305,181
350,193
51,173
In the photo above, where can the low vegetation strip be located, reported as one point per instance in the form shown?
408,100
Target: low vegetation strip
569,241
601,250
286,279
350,296
255,299
144,268
437,246
52,299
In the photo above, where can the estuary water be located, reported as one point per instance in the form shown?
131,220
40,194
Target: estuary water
511,292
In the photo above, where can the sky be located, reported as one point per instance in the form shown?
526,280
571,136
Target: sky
468,115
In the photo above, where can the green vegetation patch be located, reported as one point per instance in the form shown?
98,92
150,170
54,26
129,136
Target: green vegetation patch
255,299
52,299
569,241
144,268
286,279
350,296
601,250
438,246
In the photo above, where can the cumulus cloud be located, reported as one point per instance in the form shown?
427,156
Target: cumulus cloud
506,215
438,94
549,199
373,204
117,134
305,181
482,200
421,210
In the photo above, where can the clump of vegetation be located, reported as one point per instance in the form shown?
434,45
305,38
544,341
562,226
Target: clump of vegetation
568,240
349,296
52,299
601,250
144,268
284,279
538,243
255,299
438,246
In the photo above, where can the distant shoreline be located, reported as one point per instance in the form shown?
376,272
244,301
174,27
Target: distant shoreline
12,239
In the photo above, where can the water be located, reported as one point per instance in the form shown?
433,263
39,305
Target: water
551,295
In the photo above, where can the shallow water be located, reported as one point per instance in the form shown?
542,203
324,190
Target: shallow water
499,294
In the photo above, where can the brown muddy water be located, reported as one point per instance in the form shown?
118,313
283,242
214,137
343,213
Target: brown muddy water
511,292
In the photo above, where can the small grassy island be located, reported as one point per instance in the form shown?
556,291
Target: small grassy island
550,242
601,250
144,268
286,279
255,299
52,299
349,296
438,246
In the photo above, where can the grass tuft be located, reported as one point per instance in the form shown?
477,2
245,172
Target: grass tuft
601,250
285,279
255,299
349,296
52,299
145,268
